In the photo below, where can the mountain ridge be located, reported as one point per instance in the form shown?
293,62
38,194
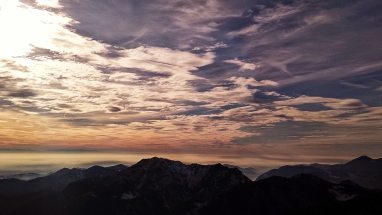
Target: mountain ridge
56,181
362,170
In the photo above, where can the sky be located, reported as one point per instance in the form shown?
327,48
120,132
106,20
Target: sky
251,82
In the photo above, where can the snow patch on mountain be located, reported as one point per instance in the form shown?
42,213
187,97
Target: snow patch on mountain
128,195
340,196
190,174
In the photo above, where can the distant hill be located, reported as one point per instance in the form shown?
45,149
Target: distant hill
247,171
56,181
23,176
363,170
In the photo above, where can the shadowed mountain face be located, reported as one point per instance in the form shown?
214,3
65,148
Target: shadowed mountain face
158,185
276,195
364,171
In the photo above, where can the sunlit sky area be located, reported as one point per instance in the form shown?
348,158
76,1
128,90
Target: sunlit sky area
251,82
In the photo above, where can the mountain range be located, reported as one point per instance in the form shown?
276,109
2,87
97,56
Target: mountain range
56,181
162,186
363,170
23,176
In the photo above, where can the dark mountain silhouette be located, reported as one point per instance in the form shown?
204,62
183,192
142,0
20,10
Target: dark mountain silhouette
161,186
117,167
290,171
11,186
156,184
22,176
247,171
277,195
152,186
56,181
364,171
369,204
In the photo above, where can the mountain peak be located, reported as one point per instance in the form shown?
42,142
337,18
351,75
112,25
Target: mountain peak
117,167
61,171
361,159
188,175
95,167
156,161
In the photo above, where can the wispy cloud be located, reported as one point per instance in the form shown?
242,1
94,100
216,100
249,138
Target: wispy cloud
243,65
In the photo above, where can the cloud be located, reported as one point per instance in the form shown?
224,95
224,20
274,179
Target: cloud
11,65
55,71
156,23
40,54
286,131
281,39
242,81
114,109
163,60
211,48
22,93
242,65
353,85
329,102
64,106
48,3
267,17
25,26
